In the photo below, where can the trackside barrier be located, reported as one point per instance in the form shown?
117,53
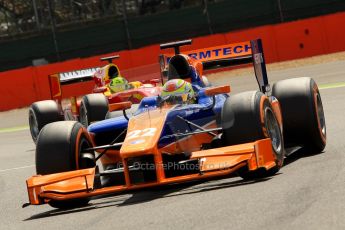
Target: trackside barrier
286,41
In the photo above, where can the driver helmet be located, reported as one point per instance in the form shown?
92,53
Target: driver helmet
178,89
118,84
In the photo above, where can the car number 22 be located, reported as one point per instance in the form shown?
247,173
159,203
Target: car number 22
149,132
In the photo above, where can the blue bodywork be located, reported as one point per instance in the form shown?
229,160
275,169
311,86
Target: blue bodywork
202,113
206,110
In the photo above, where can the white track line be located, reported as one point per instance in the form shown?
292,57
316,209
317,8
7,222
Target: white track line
11,169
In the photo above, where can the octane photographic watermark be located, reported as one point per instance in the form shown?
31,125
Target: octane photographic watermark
176,166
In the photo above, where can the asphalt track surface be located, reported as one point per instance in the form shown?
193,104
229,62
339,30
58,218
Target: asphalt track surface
307,193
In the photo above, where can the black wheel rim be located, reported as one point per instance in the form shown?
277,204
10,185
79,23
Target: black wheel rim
83,145
33,126
273,130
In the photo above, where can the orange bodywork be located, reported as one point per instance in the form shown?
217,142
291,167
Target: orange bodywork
257,155
233,50
196,57
67,182
143,135
120,106
214,162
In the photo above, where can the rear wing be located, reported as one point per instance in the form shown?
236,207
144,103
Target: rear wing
226,56
66,78
77,75
81,75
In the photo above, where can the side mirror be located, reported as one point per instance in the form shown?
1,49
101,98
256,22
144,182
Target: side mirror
120,106
212,91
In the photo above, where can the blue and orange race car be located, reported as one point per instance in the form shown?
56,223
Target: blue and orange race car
169,140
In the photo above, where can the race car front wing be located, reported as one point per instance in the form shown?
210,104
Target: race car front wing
212,162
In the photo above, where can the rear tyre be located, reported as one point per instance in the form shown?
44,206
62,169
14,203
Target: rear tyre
42,113
60,148
303,117
93,107
247,117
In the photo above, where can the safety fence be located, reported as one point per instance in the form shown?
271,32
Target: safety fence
90,27
286,41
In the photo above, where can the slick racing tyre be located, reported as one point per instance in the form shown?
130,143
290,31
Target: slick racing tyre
93,107
42,113
247,117
61,147
303,117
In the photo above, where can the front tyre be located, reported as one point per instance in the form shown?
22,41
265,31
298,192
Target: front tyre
60,148
247,117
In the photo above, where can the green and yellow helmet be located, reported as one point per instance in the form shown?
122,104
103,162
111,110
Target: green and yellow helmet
178,88
118,84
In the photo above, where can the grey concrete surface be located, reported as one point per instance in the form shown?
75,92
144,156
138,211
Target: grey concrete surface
307,193
14,118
